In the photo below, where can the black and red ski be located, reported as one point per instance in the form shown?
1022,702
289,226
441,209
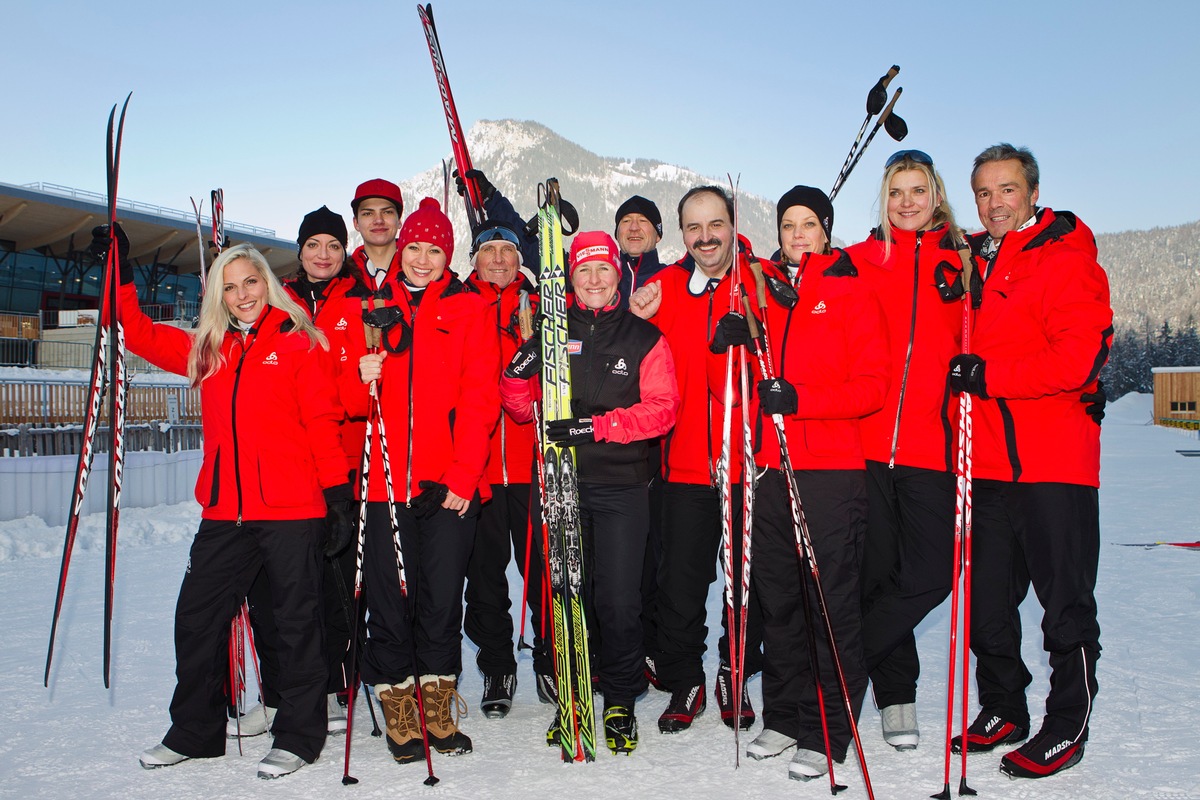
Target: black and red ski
458,141
107,374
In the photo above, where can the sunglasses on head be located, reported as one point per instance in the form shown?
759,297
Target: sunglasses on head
916,156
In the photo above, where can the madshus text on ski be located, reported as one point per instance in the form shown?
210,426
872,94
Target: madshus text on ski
847,436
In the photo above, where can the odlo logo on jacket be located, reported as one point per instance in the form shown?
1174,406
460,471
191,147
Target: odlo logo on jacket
341,325
272,359
620,368
819,308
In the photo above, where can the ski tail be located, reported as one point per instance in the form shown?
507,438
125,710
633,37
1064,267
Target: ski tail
458,142
218,219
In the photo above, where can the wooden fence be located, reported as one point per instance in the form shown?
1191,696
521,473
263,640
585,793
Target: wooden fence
61,402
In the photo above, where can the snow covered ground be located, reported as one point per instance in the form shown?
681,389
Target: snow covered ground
77,740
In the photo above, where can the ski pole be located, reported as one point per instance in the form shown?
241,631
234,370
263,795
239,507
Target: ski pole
962,553
897,131
876,98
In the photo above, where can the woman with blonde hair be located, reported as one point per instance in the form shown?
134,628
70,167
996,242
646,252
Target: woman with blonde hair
911,262
272,459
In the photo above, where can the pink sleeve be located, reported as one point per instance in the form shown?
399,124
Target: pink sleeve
516,395
654,415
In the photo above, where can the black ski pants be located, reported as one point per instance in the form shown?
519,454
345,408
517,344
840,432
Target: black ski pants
691,548
615,522
835,508
435,552
653,554
223,561
907,570
1047,535
503,531
337,606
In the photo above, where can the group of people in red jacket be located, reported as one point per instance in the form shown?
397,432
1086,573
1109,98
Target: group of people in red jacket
380,377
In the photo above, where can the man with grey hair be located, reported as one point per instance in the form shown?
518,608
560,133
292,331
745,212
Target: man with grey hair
1042,332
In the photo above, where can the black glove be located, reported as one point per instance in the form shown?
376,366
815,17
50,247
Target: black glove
966,375
1096,401
486,189
100,244
947,278
571,432
732,330
430,500
527,361
777,396
341,518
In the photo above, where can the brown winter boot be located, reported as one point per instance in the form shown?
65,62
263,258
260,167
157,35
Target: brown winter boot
403,722
443,706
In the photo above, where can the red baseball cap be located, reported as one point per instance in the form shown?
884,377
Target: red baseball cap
378,187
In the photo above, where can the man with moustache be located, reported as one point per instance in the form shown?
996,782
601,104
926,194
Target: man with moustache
685,300
1041,335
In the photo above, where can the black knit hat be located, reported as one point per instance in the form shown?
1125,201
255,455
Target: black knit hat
640,205
322,221
811,198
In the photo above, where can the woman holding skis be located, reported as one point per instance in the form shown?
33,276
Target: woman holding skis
437,383
623,395
272,461
911,262
827,362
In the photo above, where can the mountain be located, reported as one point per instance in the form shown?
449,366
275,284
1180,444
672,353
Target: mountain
517,155
1154,274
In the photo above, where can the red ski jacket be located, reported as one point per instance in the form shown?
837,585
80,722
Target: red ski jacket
832,345
1043,330
269,414
338,313
687,321
440,396
511,457
917,424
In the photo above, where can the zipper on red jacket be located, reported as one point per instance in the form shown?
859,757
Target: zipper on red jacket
503,430
411,358
245,342
912,334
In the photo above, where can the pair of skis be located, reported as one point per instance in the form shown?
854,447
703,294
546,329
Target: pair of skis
218,230
737,593
576,719
108,373
888,120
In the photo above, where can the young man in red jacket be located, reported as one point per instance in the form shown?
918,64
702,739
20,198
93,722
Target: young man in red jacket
685,301
504,523
1041,335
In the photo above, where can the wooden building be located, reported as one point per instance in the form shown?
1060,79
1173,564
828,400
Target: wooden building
1176,395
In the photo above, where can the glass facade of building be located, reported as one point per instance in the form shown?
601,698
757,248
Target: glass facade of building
31,281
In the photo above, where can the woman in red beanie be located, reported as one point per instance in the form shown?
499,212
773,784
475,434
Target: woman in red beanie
437,378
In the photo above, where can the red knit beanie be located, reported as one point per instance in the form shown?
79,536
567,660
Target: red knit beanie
428,224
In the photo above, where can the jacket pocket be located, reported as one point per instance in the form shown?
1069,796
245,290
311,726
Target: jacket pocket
208,482
288,483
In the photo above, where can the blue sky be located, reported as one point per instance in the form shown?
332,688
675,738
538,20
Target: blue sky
287,106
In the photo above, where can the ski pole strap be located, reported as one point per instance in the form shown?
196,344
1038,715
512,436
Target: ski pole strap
370,332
